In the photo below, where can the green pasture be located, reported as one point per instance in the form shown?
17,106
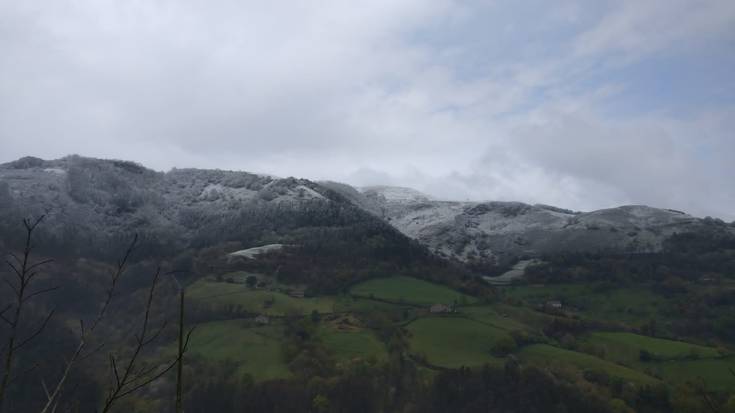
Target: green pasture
254,301
350,345
255,350
454,341
409,290
544,354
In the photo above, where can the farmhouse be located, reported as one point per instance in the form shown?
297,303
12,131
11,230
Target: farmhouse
262,319
440,308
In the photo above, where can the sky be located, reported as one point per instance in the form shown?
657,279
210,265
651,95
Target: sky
580,104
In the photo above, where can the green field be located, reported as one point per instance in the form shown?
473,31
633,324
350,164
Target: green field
544,354
494,316
350,345
363,305
628,305
255,351
626,347
714,372
678,363
223,293
454,341
409,290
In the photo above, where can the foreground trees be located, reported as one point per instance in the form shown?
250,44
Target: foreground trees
129,366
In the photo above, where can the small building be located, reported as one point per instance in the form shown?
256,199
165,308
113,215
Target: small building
440,308
553,304
262,319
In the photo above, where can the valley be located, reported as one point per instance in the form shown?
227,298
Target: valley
321,297
471,333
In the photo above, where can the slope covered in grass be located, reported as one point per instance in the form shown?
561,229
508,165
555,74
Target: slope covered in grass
454,342
409,290
208,291
350,345
626,347
544,354
255,351
715,373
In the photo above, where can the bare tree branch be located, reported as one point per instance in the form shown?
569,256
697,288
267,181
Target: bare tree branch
40,264
140,338
160,374
39,292
83,335
15,257
25,272
12,287
38,330
14,268
121,267
2,314
134,379
114,369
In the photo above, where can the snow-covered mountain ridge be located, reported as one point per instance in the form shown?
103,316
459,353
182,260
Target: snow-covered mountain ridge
504,232
84,196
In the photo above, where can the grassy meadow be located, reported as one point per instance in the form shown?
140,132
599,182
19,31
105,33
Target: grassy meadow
454,341
208,291
254,350
466,338
544,354
410,291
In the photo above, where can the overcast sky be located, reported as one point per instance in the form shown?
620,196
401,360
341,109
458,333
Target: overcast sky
581,104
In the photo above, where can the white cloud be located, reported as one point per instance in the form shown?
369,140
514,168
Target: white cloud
432,95
637,27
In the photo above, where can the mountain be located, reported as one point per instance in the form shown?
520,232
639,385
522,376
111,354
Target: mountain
501,233
89,203
85,197
93,206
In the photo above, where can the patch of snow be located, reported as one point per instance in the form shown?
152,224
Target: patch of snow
57,171
309,193
251,253
397,193
218,191
515,273
413,222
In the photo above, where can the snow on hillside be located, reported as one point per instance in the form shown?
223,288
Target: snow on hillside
506,231
251,253
395,194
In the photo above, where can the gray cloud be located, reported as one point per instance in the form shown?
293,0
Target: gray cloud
462,99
